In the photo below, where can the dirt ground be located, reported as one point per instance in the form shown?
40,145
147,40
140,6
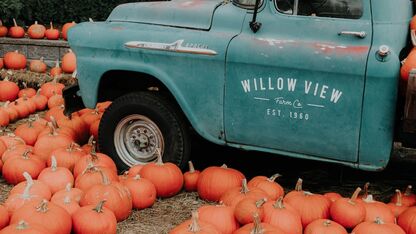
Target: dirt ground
318,177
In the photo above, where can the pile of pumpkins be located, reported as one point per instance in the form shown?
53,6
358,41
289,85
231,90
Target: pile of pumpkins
16,61
35,31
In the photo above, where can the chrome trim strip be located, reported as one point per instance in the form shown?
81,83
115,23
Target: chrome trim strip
171,47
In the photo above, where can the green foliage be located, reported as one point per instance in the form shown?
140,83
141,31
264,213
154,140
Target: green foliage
58,11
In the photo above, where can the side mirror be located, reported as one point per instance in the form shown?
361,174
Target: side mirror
254,25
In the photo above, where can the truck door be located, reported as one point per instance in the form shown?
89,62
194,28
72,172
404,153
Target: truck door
296,86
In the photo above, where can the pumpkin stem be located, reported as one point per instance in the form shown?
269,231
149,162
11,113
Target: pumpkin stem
191,167
43,206
99,207
74,74
104,177
298,186
36,22
25,154
261,202
28,178
399,198
159,161
355,195
1,23
369,199
54,164
378,220
67,200
327,223
274,177
366,185
279,203
26,191
408,191
30,123
258,229
14,22
137,177
244,187
194,227
93,152
90,140
224,166
68,187
89,168
22,225
57,63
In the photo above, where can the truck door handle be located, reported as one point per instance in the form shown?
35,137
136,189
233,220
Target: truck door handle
361,34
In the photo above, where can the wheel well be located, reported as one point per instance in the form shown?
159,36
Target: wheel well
116,83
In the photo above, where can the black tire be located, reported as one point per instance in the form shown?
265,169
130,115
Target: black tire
116,124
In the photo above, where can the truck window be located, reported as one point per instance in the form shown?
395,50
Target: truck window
349,9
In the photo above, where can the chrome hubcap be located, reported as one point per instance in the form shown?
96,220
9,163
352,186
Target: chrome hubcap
137,139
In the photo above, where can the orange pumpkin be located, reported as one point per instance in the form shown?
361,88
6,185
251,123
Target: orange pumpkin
55,100
377,226
117,196
413,23
14,60
273,189
310,206
46,144
214,181
56,177
3,30
51,88
36,31
17,151
283,216
92,175
4,217
375,209
234,195
65,29
97,159
407,220
397,208
325,226
54,218
167,177
104,219
4,118
348,211
70,205
1,63
17,200
194,226
74,194
8,90
28,92
67,157
57,70
246,208
408,197
143,192
220,216
14,167
408,65
37,65
190,178
40,101
38,188
69,62
28,132
135,170
52,33
16,31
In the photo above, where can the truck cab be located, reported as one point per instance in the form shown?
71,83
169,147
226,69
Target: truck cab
309,79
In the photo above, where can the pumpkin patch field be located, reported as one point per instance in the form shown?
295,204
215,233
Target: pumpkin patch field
54,180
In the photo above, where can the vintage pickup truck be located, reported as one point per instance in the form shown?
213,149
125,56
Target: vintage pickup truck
309,79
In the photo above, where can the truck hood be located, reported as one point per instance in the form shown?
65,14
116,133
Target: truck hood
195,14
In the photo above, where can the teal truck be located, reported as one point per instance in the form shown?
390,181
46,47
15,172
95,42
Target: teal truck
315,79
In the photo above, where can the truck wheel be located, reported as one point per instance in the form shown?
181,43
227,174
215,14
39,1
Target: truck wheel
135,126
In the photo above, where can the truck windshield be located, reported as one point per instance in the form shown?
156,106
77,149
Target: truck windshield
247,4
